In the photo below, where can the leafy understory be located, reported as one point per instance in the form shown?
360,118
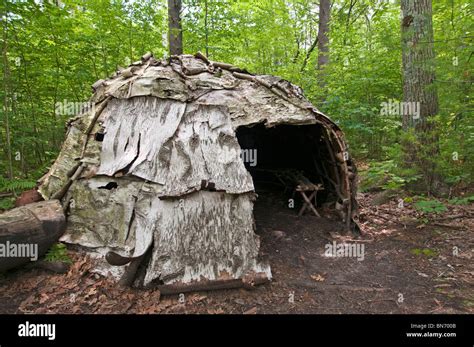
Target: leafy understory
58,252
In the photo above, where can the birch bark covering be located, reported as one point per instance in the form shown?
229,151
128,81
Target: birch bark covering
156,167
205,235
101,217
173,145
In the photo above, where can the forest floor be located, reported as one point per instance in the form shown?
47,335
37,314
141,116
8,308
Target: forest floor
407,267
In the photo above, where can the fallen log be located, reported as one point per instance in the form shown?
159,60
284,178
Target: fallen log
247,282
27,232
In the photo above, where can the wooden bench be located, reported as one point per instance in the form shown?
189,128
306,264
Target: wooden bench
306,187
301,184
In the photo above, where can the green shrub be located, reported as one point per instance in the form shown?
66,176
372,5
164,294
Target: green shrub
386,175
430,206
58,252
7,203
424,251
462,201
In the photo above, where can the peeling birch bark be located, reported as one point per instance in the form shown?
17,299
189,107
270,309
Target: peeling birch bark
162,180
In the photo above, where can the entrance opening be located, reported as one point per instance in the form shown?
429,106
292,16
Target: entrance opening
282,158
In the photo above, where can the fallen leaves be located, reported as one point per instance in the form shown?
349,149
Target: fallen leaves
196,298
253,310
43,298
218,310
449,271
91,293
317,278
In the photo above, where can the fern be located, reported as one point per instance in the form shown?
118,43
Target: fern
15,185
58,252
7,203
462,201
430,206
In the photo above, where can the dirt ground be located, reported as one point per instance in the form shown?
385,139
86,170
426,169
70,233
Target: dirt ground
407,267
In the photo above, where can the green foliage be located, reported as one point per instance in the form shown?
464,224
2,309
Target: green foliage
462,201
16,185
55,51
58,252
386,175
424,251
6,203
430,206
363,73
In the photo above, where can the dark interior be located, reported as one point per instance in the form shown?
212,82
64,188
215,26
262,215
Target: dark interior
282,148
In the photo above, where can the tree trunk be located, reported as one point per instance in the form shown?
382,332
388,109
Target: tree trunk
206,26
6,78
175,34
323,39
348,20
419,91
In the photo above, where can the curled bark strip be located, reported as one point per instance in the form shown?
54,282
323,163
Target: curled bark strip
244,76
194,71
224,66
146,56
97,84
129,72
201,56
116,259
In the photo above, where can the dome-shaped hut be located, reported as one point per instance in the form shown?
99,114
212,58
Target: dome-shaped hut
152,176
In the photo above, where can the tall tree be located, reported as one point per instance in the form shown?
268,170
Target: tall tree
418,60
323,38
175,33
6,77
206,26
